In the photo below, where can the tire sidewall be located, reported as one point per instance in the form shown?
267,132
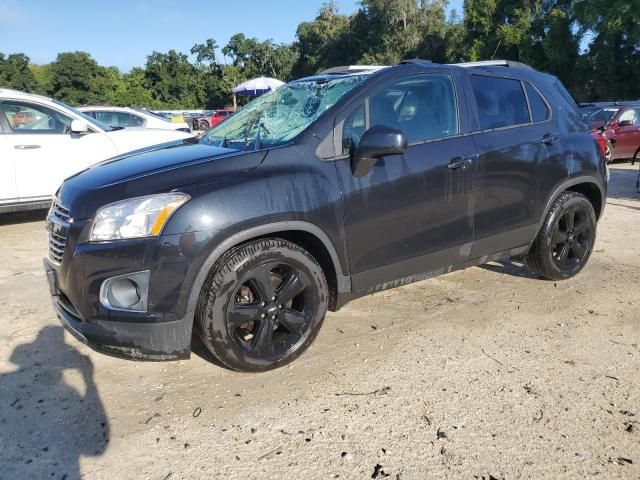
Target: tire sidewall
546,239
226,281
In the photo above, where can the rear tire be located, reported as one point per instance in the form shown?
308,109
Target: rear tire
203,125
565,241
608,152
262,305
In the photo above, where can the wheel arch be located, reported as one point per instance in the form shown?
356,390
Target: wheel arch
588,186
305,234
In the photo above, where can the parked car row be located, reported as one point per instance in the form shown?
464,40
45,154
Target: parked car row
617,124
131,117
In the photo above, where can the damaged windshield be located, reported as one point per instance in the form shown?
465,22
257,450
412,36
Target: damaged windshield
278,116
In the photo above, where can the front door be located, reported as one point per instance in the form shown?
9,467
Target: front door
7,169
411,214
628,136
44,151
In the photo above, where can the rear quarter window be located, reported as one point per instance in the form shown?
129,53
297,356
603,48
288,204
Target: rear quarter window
501,102
539,108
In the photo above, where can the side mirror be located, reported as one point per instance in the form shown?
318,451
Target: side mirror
625,123
79,127
377,142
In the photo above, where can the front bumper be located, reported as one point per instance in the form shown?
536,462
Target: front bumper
133,336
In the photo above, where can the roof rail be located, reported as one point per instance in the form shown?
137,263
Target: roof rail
417,61
352,69
494,63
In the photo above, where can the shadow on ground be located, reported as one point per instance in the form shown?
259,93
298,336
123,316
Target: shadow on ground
623,182
508,267
50,411
22,217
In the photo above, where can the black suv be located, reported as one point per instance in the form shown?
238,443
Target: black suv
326,189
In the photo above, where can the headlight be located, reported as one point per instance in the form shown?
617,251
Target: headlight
135,217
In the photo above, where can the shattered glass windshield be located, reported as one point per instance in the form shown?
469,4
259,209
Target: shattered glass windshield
278,116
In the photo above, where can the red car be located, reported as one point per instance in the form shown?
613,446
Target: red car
208,121
620,127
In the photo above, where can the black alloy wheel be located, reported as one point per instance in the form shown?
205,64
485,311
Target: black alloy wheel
262,305
271,310
572,238
566,238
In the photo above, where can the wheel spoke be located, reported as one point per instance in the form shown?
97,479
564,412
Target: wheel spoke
559,236
569,219
262,343
564,253
261,281
292,320
292,286
581,226
240,314
578,249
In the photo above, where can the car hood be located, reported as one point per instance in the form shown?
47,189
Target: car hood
133,138
156,169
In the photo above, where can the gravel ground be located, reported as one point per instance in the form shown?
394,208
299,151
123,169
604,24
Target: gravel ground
482,374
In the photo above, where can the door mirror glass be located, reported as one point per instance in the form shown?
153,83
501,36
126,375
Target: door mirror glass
79,127
377,142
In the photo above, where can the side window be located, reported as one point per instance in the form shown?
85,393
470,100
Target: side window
423,107
501,102
135,121
352,130
629,115
539,109
29,118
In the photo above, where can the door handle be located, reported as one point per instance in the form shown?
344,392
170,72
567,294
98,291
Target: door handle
459,163
549,139
26,147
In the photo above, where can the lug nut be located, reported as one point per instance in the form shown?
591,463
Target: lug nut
273,298
264,315
263,304
273,318
280,307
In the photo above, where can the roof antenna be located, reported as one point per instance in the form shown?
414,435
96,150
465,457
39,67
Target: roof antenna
496,51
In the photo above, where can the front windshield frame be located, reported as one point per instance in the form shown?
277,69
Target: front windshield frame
278,117
90,120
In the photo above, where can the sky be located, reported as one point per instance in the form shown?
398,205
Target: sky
124,32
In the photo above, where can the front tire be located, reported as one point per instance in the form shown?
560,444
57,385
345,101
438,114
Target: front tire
262,305
565,241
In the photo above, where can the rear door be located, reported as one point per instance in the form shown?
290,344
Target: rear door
515,144
411,213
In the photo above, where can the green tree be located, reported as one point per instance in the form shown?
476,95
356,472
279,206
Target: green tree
72,77
15,73
172,80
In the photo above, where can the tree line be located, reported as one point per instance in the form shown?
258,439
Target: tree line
593,46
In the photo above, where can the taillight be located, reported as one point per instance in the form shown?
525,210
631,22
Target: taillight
601,141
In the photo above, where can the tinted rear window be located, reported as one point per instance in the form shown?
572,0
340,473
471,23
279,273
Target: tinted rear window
501,102
539,109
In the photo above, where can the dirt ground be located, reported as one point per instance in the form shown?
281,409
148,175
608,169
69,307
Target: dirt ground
482,374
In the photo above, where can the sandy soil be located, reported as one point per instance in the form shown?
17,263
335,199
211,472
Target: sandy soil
482,374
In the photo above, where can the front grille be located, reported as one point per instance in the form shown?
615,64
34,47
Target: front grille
58,222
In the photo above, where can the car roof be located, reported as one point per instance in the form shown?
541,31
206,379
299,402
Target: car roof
10,92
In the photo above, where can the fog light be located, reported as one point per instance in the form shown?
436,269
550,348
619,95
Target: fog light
126,292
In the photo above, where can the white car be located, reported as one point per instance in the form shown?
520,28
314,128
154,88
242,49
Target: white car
131,117
43,141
